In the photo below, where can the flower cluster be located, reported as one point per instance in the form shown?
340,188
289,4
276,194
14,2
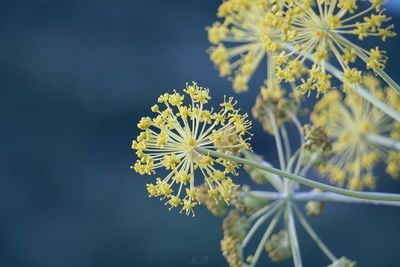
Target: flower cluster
307,44
294,33
273,105
360,134
173,137
321,32
242,40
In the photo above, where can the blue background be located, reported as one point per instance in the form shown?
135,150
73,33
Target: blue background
75,77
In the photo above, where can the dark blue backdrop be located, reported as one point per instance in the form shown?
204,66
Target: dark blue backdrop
75,77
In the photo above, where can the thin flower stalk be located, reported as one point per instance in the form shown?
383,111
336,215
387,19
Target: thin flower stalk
306,181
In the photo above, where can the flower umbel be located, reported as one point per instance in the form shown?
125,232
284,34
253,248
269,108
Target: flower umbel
358,131
274,101
319,30
242,40
169,140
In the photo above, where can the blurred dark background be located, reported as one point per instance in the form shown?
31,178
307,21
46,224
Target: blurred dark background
75,77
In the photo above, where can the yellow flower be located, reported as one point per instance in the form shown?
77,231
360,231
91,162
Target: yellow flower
251,27
170,140
273,103
320,31
360,135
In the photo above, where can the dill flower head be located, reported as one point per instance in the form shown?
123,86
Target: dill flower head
360,135
239,43
170,140
322,30
274,103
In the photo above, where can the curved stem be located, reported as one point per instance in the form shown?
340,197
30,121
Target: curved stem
305,181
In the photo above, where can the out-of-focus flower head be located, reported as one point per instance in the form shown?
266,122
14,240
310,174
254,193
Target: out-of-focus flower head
274,105
322,31
171,138
356,129
239,43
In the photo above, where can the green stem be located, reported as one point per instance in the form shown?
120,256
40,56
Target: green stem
259,222
305,181
377,102
314,235
384,141
266,235
388,80
319,196
286,143
294,241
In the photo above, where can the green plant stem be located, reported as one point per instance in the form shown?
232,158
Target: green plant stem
259,222
320,196
383,140
266,235
299,128
305,181
303,221
286,143
278,142
294,241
